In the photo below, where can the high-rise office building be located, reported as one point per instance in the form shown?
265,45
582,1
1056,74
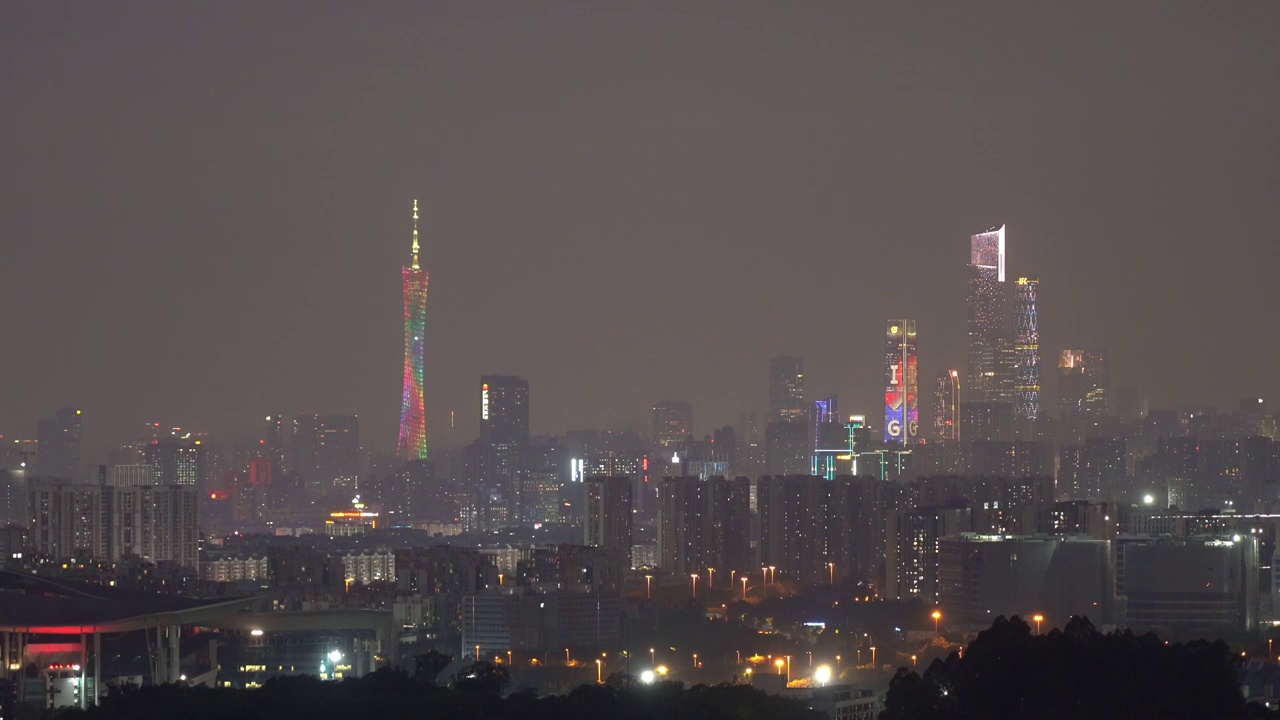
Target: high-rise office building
539,497
496,456
672,422
504,410
826,410
325,450
901,384
788,448
176,461
413,419
986,314
608,517
58,454
339,447
273,445
633,464
830,438
1026,339
946,406
786,390
1083,378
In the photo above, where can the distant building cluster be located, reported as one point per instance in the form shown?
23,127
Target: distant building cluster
985,497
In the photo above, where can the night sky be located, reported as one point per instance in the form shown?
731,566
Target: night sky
204,207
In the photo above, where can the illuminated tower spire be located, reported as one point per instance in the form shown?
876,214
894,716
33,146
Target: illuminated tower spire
413,423
415,236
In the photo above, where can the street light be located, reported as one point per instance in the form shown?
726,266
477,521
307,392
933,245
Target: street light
788,669
647,677
744,589
837,663
913,661
831,567
694,577
648,587
599,671
652,658
566,655
711,578
695,661
1039,619
822,674
937,615
873,657
780,663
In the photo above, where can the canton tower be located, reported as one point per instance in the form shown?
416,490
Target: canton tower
413,421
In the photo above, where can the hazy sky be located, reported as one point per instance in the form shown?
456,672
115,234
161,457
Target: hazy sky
204,207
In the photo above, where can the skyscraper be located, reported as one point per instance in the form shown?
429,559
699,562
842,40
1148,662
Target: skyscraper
273,445
672,422
325,450
901,384
1026,338
946,406
504,410
608,516
413,421
788,448
1083,378
58,448
176,461
986,313
786,390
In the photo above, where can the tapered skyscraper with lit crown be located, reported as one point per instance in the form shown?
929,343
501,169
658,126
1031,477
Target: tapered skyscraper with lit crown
413,421
987,325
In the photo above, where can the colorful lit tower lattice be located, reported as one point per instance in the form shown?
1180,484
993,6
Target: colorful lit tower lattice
413,422
1026,338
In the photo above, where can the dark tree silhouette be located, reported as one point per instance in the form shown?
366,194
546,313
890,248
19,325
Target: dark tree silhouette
476,693
1078,672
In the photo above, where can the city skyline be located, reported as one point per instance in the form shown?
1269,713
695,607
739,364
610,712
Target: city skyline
142,327
678,254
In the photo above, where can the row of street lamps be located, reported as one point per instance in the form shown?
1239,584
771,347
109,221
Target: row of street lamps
768,576
822,674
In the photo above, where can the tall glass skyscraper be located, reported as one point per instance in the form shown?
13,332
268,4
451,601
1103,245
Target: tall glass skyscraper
1026,339
901,385
986,316
413,421
786,390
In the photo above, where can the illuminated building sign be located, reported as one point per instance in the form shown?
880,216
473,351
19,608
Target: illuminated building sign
901,394
484,401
